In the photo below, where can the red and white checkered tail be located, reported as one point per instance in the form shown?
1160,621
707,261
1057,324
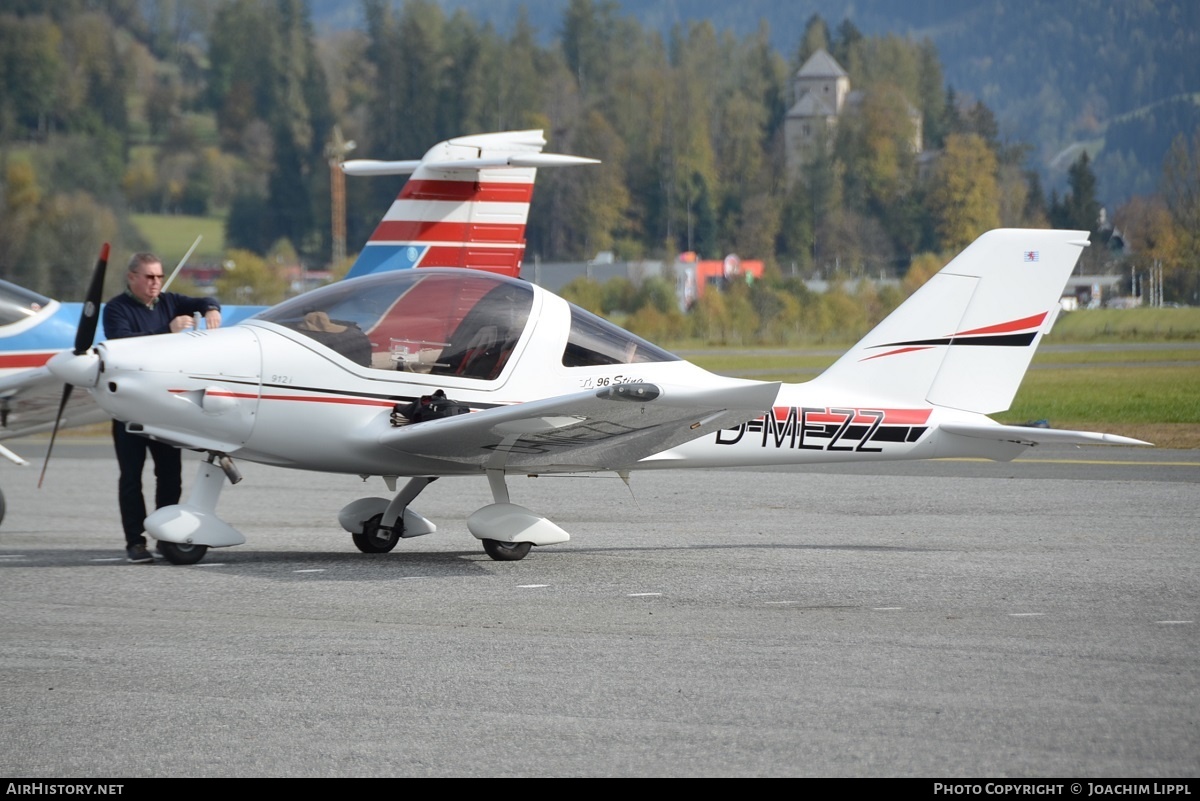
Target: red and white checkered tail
465,205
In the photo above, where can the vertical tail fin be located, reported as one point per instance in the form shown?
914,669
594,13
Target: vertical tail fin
465,205
965,339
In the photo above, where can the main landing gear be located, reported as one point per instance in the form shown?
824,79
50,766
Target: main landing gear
506,551
377,524
507,531
375,537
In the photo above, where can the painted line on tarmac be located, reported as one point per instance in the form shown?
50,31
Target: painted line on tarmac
1108,462
1116,462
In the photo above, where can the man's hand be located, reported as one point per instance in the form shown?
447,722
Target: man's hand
212,319
182,323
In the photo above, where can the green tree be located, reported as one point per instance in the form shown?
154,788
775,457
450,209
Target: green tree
657,292
585,293
815,37
31,69
845,45
266,78
1079,210
49,240
250,279
619,295
963,196
1181,194
588,43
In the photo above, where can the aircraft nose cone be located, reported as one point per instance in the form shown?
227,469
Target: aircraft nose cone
78,370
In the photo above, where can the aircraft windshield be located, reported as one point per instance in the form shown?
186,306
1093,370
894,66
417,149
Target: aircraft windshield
460,323
18,303
595,341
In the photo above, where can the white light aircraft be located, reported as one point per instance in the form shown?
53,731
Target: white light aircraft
325,382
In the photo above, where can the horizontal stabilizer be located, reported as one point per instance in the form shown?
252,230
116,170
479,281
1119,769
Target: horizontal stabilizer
372,167
376,167
1028,435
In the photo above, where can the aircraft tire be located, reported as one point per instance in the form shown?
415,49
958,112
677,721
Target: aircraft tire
180,553
506,551
374,538
3,507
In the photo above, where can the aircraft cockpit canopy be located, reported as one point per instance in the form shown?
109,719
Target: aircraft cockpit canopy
444,322
594,341
438,322
18,303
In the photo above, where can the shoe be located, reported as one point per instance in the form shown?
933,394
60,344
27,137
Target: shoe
138,555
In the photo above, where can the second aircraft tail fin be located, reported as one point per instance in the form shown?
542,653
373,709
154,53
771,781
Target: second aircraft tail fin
465,205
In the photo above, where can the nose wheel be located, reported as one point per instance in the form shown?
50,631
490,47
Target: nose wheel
179,553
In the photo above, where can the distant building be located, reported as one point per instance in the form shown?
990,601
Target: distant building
693,275
821,95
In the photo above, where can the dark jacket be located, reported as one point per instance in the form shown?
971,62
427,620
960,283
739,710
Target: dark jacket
126,316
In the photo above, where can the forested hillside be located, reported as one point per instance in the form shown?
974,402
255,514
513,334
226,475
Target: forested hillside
228,107
1115,77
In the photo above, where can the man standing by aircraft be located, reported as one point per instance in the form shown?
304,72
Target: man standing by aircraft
144,309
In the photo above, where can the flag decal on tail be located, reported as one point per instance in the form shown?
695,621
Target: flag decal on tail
1015,333
1031,255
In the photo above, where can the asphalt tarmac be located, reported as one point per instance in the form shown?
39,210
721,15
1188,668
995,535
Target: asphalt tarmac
948,620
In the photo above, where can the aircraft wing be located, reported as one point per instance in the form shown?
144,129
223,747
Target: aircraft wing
1030,435
604,429
29,402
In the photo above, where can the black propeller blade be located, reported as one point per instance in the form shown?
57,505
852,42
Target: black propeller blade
89,319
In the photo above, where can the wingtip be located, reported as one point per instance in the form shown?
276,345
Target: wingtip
1117,439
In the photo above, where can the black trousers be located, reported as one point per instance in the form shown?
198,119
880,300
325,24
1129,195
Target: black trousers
131,458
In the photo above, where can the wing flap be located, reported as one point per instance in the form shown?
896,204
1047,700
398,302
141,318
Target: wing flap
602,429
1028,435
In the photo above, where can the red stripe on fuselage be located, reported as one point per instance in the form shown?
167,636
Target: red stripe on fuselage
906,416
466,190
12,361
343,401
225,393
862,415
